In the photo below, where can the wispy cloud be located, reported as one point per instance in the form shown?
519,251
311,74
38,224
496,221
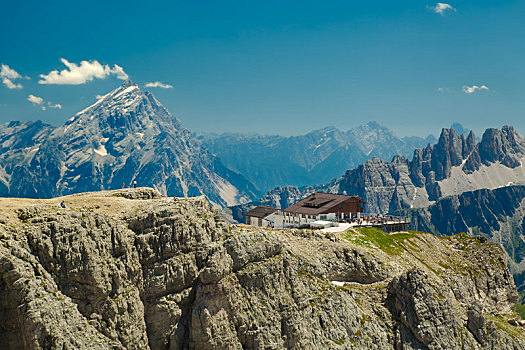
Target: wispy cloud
76,74
158,84
7,74
39,101
472,89
441,8
443,89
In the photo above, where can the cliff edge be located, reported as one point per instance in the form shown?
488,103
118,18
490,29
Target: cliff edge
130,269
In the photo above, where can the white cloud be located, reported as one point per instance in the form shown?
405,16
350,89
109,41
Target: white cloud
7,74
118,71
79,74
472,89
441,8
10,85
159,85
39,101
35,99
442,89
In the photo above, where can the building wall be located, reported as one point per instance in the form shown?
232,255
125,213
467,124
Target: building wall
280,219
287,220
272,220
351,205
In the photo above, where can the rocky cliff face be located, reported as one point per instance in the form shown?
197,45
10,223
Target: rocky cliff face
126,135
131,269
505,146
496,214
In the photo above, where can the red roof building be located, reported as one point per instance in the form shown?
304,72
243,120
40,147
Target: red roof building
325,203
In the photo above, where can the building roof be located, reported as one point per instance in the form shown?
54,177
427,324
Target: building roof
261,212
319,203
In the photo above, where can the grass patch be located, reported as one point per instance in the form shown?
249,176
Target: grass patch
502,324
340,341
389,243
520,309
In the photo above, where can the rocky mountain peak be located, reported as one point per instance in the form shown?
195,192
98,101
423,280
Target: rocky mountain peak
450,151
127,110
125,136
505,146
460,129
125,99
374,125
128,83
471,139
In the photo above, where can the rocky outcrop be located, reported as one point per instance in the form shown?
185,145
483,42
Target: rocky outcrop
505,146
131,269
385,185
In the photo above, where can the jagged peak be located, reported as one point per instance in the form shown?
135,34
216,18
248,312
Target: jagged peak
506,131
447,132
374,125
126,88
459,128
128,83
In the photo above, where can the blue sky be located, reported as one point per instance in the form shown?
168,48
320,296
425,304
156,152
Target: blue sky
274,67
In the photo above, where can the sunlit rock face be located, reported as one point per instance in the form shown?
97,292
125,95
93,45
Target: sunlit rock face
131,269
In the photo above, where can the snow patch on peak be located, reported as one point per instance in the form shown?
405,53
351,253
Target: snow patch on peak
112,95
101,151
88,108
126,90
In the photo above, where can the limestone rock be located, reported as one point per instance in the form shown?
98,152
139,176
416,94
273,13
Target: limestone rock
130,269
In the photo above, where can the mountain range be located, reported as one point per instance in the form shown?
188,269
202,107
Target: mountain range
127,136
455,164
313,158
